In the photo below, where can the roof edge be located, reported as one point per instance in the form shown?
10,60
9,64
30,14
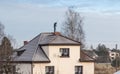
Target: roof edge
81,60
71,39
44,52
58,44
30,61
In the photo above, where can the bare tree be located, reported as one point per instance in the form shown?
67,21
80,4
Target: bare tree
6,51
73,26
2,34
1,31
12,40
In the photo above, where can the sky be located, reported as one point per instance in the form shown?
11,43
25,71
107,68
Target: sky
25,19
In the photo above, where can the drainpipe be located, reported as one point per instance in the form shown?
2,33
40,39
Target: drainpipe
31,68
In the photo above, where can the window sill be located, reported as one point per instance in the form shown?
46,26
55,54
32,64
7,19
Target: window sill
64,56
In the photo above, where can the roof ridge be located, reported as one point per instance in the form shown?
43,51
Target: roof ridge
29,42
70,39
53,39
44,52
34,54
37,47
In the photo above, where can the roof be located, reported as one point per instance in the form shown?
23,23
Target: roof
91,53
115,50
52,38
84,57
33,51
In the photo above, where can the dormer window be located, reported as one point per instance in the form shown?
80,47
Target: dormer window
20,52
64,52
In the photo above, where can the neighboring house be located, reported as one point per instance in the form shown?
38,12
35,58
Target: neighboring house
52,53
113,54
91,53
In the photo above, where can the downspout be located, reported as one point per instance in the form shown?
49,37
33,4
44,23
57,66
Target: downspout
31,68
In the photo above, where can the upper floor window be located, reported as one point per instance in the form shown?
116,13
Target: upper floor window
78,69
112,54
64,52
49,70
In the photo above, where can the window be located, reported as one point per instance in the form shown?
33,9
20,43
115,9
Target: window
78,69
112,58
49,70
20,52
112,54
117,54
64,52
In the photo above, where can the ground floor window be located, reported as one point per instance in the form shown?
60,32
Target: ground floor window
78,69
49,70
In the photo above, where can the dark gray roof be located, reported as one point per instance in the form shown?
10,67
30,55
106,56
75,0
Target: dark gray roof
84,57
91,53
51,38
33,51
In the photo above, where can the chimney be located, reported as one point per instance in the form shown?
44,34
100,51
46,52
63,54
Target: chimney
57,33
25,42
55,24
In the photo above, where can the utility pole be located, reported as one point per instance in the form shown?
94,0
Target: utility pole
116,56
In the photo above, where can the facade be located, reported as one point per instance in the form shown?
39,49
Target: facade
113,54
52,53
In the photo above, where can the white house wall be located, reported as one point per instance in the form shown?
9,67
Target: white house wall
88,67
64,65
24,68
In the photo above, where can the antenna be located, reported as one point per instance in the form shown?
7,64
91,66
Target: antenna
55,24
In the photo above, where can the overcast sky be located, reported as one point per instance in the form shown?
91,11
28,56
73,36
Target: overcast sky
24,19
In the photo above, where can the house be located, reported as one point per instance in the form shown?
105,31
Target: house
52,53
113,54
